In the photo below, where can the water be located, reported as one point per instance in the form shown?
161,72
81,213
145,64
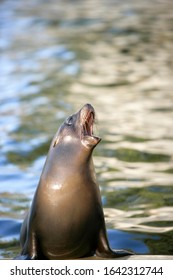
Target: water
116,55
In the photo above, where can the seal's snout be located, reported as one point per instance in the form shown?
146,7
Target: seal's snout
88,108
88,105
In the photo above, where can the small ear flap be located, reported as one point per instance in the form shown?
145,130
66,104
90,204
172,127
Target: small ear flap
55,142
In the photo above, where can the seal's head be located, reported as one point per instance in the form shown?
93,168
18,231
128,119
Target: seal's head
78,128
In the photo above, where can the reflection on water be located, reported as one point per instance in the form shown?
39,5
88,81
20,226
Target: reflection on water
116,55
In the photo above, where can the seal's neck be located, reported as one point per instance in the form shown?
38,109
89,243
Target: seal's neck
73,155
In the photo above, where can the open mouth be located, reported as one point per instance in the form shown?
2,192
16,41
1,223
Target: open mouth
88,124
87,117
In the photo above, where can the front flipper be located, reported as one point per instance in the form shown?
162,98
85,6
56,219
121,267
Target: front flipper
103,250
30,248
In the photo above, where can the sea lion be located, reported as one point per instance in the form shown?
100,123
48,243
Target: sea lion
66,219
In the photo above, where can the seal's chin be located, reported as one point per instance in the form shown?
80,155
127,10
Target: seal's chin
88,118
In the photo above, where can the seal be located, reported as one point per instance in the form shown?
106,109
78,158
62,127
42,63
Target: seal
66,219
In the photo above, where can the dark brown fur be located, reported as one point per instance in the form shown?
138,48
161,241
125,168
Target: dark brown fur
66,219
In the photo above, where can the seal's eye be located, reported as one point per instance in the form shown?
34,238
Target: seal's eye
69,121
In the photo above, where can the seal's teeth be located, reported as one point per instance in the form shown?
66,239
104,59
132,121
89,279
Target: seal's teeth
91,129
87,128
